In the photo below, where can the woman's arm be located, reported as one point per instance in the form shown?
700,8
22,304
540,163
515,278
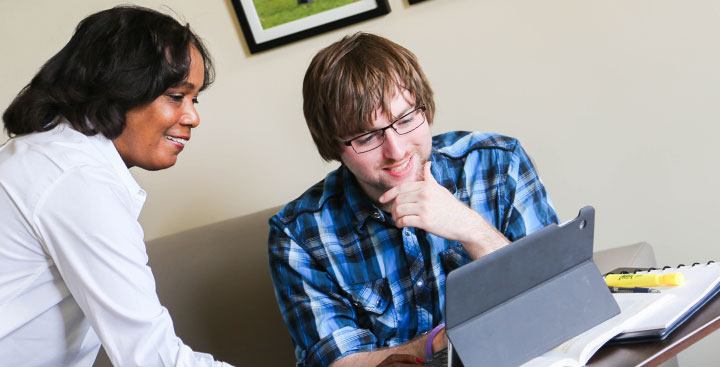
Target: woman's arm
88,225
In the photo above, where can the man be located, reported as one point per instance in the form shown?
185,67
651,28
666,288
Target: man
360,259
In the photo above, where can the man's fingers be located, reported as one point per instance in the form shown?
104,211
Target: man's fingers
388,195
400,210
406,187
409,221
418,196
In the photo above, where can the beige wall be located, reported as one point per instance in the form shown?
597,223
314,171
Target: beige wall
616,101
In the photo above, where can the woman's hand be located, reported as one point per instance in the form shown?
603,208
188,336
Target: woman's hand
400,360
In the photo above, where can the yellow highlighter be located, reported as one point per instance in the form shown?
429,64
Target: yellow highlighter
643,280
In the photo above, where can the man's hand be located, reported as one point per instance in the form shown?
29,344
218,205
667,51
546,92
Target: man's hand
406,354
399,360
430,206
439,343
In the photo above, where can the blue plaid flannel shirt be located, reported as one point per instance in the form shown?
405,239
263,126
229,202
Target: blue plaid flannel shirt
347,280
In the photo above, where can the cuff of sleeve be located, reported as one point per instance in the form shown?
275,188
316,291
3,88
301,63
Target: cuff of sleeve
340,343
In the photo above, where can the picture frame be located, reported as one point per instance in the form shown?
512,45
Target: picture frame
414,1
261,37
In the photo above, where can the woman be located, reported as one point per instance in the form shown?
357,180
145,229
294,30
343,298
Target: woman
73,265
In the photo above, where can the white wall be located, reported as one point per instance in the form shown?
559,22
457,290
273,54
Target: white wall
616,101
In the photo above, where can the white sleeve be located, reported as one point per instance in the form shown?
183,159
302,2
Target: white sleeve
89,228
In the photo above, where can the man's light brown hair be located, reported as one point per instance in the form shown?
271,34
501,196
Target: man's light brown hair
352,79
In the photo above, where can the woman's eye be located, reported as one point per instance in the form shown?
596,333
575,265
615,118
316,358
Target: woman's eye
176,97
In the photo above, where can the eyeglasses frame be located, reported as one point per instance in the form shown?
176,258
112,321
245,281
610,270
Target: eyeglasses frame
421,108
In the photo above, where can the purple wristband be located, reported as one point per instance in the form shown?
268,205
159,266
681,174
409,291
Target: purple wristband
431,336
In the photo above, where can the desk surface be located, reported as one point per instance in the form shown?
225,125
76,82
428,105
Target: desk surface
701,324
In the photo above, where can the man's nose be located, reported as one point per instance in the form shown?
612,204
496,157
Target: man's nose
394,146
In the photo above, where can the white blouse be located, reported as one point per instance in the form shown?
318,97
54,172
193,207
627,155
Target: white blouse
73,263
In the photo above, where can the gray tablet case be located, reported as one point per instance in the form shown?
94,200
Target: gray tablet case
528,297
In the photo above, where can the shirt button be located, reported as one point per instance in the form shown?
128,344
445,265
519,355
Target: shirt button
419,283
376,215
378,303
406,231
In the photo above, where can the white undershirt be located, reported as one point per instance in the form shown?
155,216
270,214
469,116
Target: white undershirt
73,263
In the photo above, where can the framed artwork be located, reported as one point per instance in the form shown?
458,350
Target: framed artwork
271,23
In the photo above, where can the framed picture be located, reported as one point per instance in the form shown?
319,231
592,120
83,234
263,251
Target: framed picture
271,23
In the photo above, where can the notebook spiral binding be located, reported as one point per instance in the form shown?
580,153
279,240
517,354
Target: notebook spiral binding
635,271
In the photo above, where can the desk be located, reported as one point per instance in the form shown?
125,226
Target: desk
700,325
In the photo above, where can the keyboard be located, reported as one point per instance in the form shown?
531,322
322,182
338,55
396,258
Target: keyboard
439,359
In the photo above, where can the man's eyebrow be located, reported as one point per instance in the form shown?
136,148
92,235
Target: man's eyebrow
402,114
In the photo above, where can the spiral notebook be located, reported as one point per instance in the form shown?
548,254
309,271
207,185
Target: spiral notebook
702,283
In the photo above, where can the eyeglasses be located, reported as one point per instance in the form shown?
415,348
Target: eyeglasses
374,139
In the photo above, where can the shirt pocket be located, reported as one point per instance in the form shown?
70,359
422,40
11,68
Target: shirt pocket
453,258
373,305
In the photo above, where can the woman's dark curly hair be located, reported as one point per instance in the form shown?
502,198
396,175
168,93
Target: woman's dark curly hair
117,59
